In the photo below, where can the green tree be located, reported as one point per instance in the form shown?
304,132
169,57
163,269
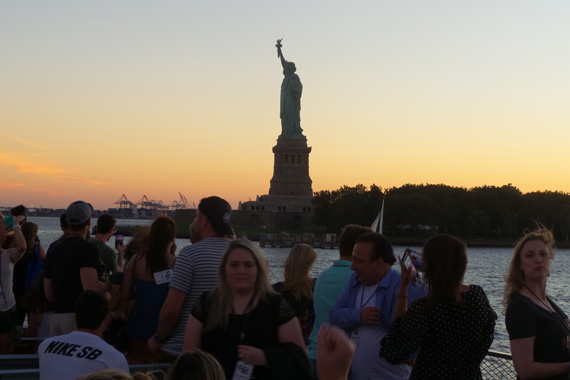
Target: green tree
337,208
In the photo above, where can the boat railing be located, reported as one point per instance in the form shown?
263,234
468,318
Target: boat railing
498,365
25,367
495,366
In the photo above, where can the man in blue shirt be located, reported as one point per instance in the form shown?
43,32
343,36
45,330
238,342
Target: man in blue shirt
332,281
365,309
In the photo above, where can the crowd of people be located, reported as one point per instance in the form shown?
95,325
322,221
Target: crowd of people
212,313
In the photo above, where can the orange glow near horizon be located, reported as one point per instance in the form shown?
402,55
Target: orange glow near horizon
101,100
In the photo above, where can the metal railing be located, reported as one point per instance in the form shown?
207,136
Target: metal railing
495,366
498,366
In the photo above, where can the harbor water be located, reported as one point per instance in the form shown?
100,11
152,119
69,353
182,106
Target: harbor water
486,267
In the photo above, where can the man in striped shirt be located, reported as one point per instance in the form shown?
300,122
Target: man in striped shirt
195,272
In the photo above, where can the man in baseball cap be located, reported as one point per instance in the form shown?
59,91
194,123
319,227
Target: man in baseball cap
71,267
218,214
78,213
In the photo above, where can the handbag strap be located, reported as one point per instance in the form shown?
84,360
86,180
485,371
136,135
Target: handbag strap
38,252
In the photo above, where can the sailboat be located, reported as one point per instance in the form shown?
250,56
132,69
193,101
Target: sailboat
379,221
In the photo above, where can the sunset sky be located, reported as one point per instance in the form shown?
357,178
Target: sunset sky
104,98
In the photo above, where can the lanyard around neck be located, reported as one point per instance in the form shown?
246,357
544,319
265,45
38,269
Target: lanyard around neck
369,298
247,314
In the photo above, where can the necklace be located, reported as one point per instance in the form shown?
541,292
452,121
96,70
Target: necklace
247,314
547,306
551,308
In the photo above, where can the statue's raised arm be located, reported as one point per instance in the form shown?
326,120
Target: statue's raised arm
291,90
280,53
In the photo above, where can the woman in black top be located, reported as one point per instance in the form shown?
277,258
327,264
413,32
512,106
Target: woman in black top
242,321
538,329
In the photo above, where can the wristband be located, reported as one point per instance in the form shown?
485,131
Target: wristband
17,226
158,340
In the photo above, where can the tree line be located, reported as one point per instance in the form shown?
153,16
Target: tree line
487,212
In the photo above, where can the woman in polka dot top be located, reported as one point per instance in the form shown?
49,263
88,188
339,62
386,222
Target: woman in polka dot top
452,327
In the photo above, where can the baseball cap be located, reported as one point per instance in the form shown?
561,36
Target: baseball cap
78,213
218,211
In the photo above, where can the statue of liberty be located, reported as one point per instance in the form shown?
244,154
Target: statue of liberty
291,90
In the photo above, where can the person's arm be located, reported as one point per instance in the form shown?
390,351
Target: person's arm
120,252
192,338
343,314
405,335
42,253
126,287
34,320
522,351
169,315
402,297
48,289
90,281
291,332
334,353
19,238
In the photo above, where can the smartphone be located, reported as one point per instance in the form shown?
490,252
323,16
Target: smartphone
413,257
118,241
413,260
8,223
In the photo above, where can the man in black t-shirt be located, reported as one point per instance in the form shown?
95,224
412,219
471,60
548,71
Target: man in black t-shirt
71,268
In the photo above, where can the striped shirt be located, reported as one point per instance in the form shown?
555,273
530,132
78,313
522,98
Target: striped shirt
195,272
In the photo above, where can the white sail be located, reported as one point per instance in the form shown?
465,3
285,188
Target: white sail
379,221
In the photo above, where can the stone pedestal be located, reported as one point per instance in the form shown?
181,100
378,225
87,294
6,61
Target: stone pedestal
291,169
291,188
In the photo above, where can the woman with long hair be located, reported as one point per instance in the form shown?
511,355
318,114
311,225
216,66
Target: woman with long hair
242,321
539,330
298,286
452,326
8,258
137,244
27,269
147,277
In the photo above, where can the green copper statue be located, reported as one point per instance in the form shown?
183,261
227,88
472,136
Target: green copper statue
291,90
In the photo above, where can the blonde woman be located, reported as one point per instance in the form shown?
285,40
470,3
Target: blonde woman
244,323
539,330
298,286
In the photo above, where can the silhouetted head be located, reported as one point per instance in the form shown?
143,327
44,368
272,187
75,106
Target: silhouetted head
289,68
444,263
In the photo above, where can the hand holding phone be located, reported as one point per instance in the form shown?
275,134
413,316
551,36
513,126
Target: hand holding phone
412,261
118,241
8,223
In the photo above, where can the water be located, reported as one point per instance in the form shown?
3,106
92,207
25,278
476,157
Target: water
486,267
